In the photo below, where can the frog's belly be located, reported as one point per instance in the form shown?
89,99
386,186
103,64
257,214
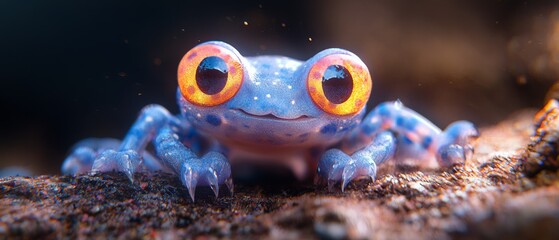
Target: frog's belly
262,145
301,161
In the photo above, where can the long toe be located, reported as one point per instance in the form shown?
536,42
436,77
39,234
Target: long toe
189,179
128,162
211,177
349,173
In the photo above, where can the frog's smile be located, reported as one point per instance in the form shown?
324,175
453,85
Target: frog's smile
270,116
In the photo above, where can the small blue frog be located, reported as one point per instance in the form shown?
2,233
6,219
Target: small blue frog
309,116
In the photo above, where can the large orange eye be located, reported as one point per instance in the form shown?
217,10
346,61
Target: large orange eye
339,84
210,75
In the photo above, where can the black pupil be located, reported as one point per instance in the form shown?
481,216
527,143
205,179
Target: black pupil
211,75
337,84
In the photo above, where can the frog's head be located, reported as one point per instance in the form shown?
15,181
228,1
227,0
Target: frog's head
272,100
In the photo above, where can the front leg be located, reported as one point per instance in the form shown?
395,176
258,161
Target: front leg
394,131
168,134
103,155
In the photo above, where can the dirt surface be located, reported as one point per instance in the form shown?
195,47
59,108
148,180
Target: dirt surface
491,196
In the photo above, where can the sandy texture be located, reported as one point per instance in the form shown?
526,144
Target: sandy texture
489,197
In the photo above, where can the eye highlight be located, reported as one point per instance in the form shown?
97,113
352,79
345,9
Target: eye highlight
339,84
209,75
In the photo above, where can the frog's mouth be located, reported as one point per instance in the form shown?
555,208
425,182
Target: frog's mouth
270,116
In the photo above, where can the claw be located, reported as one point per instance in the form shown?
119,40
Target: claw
128,168
219,171
128,162
211,170
213,181
366,167
130,175
348,174
190,179
332,167
336,172
344,184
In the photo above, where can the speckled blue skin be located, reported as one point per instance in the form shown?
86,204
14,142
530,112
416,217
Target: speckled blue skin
272,118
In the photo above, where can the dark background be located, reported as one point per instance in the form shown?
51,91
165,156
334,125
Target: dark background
76,69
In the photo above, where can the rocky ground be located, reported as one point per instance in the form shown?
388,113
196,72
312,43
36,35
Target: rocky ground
509,189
